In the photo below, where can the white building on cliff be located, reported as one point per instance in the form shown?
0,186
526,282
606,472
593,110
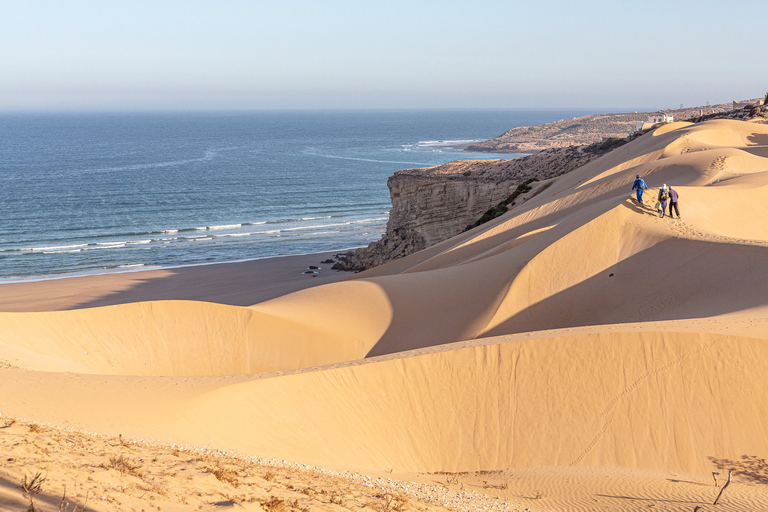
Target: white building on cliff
653,119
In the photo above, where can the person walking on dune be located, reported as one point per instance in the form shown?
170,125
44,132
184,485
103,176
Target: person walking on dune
639,185
673,196
663,198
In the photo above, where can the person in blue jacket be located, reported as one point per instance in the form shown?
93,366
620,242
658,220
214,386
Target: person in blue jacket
639,185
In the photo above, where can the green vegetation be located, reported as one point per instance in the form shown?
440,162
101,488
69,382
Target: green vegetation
503,207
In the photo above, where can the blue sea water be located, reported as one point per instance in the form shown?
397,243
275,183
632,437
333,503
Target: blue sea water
84,193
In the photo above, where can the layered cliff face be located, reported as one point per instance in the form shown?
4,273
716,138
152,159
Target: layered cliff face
432,204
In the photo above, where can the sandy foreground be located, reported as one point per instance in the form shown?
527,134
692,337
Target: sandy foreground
576,353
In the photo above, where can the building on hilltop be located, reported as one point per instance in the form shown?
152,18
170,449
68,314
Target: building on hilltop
654,119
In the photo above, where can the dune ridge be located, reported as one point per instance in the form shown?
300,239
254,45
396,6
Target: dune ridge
579,330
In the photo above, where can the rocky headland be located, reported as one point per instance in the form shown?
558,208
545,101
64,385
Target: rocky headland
432,204
589,129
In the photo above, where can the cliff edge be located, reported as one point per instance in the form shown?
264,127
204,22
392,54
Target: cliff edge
432,204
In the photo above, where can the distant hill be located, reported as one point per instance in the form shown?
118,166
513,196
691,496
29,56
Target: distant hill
587,129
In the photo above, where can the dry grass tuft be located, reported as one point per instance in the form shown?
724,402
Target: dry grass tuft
227,475
389,502
32,487
8,422
34,427
64,505
274,504
151,485
124,465
269,476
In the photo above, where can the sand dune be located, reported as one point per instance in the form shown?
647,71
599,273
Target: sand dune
579,329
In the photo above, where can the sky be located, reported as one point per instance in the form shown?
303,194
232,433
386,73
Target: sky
253,55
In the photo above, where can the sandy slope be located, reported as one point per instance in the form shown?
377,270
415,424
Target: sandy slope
587,332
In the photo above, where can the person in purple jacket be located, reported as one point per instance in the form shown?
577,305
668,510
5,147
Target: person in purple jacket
673,203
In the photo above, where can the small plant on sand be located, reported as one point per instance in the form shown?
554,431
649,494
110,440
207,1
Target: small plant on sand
151,485
390,503
8,422
35,428
32,487
226,475
269,476
234,498
64,505
124,465
274,504
502,486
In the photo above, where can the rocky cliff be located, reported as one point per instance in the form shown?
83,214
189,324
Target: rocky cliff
435,203
432,204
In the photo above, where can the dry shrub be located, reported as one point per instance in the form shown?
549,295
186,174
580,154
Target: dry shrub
274,504
151,485
390,502
124,465
64,505
32,486
234,498
227,475
35,428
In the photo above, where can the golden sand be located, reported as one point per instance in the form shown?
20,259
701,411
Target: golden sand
578,353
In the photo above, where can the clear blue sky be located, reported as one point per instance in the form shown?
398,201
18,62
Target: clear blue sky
284,54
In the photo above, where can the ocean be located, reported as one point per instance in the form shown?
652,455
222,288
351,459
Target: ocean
87,193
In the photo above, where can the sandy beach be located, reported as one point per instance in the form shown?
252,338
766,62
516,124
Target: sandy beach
578,353
238,284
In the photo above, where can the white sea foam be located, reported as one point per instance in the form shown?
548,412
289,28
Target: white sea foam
137,242
106,245
130,265
54,248
424,143
339,157
225,226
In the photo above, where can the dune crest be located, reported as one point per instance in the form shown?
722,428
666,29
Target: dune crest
579,329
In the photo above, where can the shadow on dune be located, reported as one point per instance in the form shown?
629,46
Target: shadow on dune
674,279
48,500
430,300
759,139
747,467
639,498
234,284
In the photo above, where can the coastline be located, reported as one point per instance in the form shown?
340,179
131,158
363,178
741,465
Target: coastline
241,283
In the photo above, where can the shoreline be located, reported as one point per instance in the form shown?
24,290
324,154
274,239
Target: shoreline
237,283
146,267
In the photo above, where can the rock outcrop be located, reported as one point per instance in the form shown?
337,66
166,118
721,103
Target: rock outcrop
594,128
432,204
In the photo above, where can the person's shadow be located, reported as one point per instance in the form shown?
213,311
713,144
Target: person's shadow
644,207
